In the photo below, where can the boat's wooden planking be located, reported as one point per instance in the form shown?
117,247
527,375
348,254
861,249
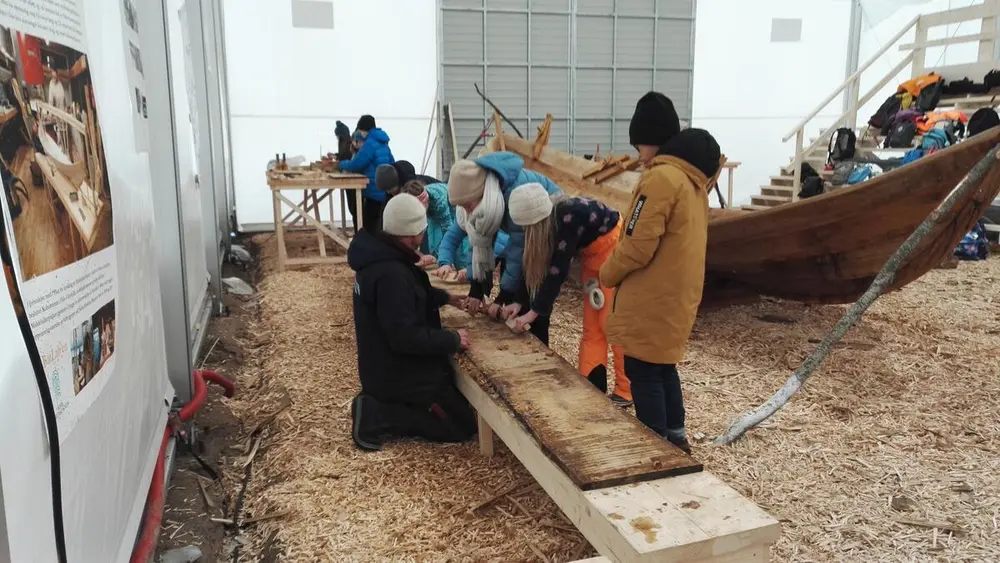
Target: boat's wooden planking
825,249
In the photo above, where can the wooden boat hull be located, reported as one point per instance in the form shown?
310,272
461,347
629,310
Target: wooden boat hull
825,249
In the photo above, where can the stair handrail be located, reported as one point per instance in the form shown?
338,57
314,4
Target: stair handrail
857,74
850,115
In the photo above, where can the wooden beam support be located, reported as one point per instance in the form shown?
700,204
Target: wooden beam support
608,163
543,136
486,441
498,122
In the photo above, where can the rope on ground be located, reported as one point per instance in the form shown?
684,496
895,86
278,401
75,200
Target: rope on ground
853,315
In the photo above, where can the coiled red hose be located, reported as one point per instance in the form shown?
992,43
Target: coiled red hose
153,516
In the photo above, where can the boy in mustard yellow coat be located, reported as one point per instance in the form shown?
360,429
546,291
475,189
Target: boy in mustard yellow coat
658,267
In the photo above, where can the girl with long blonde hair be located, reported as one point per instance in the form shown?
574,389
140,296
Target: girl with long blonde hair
557,229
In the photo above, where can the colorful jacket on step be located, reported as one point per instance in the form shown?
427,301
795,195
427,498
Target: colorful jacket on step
510,170
373,153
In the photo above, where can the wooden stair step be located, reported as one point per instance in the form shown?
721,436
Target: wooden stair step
770,200
785,191
756,207
787,174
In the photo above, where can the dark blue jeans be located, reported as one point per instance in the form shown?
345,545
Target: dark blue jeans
656,390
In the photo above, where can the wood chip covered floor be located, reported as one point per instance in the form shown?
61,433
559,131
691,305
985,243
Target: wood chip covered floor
898,432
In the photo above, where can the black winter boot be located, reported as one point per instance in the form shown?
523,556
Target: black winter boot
365,423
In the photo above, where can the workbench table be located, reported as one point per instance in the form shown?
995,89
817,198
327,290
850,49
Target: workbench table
316,186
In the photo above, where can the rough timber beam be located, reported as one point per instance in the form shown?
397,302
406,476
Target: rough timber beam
693,517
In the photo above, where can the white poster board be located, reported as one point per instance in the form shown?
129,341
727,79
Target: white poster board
81,228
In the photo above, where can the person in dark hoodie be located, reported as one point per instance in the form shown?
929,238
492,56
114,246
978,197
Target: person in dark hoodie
345,151
374,151
404,355
658,266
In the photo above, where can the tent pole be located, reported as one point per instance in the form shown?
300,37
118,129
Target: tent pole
853,52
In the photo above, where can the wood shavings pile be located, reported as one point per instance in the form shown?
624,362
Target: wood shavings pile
409,501
900,424
899,429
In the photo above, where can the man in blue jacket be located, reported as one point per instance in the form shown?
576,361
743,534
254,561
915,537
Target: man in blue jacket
374,151
480,190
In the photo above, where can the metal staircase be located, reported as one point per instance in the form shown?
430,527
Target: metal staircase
784,187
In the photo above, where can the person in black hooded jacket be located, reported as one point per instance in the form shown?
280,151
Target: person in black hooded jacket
404,355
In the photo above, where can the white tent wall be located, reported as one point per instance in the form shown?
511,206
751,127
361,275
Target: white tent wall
183,93
108,456
749,90
289,85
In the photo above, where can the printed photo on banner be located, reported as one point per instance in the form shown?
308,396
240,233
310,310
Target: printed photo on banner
52,160
57,208
93,343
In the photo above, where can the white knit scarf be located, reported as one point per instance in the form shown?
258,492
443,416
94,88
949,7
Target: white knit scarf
482,225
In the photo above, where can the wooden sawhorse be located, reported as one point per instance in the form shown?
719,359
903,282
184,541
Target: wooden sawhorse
316,186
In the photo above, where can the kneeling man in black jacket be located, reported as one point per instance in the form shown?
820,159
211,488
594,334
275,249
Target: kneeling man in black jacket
404,356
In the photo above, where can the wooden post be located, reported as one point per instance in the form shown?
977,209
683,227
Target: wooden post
451,130
986,46
499,131
797,164
343,211
729,201
485,438
333,216
359,216
855,92
320,239
919,51
279,229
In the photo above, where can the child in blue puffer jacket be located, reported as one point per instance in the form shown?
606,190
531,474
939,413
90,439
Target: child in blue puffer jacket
440,217
374,151
481,188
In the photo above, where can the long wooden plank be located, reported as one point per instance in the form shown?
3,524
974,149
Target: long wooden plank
316,260
314,179
566,414
731,528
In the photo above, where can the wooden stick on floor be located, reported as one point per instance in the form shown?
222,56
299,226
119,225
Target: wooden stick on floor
852,316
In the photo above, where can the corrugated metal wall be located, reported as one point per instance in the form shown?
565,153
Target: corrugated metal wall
584,61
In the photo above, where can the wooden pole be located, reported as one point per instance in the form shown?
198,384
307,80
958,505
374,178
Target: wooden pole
853,315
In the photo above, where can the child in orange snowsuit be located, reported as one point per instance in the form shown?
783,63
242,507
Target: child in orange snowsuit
556,229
